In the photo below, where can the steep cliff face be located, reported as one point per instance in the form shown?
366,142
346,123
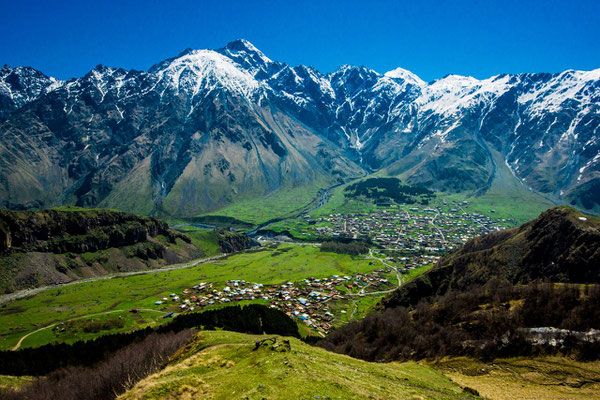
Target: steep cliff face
561,245
57,246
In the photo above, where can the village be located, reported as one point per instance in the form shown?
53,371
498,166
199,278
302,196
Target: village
307,300
407,238
409,230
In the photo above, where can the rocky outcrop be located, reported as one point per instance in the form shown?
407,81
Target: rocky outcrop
231,242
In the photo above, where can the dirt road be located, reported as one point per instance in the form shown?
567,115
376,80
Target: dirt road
28,292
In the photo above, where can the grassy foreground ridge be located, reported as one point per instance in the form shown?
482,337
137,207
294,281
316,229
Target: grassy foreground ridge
223,365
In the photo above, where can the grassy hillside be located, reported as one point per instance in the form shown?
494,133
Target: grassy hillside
279,204
204,239
507,195
69,243
223,365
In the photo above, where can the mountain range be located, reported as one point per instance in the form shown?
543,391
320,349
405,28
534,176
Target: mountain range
207,128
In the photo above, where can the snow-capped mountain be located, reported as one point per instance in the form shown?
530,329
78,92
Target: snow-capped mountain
205,128
21,85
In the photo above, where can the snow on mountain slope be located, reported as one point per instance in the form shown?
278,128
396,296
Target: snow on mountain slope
21,85
248,57
443,133
406,76
550,96
205,70
453,93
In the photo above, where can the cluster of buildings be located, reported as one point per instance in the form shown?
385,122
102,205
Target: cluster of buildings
412,236
308,300
416,230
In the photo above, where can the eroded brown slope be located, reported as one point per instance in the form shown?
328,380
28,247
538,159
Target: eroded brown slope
561,245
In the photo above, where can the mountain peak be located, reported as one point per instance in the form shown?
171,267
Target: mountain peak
196,70
406,75
464,79
355,70
237,47
100,68
241,44
247,56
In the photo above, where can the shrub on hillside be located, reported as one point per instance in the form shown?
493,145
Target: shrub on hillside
485,322
353,248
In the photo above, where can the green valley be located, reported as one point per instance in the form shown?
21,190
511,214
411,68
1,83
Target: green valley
111,298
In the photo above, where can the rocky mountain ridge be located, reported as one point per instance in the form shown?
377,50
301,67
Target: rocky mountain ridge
210,127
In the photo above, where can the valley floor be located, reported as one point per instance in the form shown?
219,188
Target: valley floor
67,313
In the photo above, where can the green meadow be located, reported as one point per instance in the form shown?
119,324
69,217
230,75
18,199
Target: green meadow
113,298
282,203
223,365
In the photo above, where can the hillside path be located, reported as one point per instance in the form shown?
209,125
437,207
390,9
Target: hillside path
391,267
16,346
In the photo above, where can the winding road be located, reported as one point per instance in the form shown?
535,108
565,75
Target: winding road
320,200
391,267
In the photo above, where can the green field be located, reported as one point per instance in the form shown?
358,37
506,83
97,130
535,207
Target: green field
279,204
118,295
203,239
415,273
520,207
509,197
339,204
223,365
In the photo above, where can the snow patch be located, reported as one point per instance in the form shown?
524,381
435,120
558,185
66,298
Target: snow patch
450,95
205,70
551,96
405,75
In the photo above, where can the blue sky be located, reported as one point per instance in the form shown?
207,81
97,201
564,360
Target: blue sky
431,38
